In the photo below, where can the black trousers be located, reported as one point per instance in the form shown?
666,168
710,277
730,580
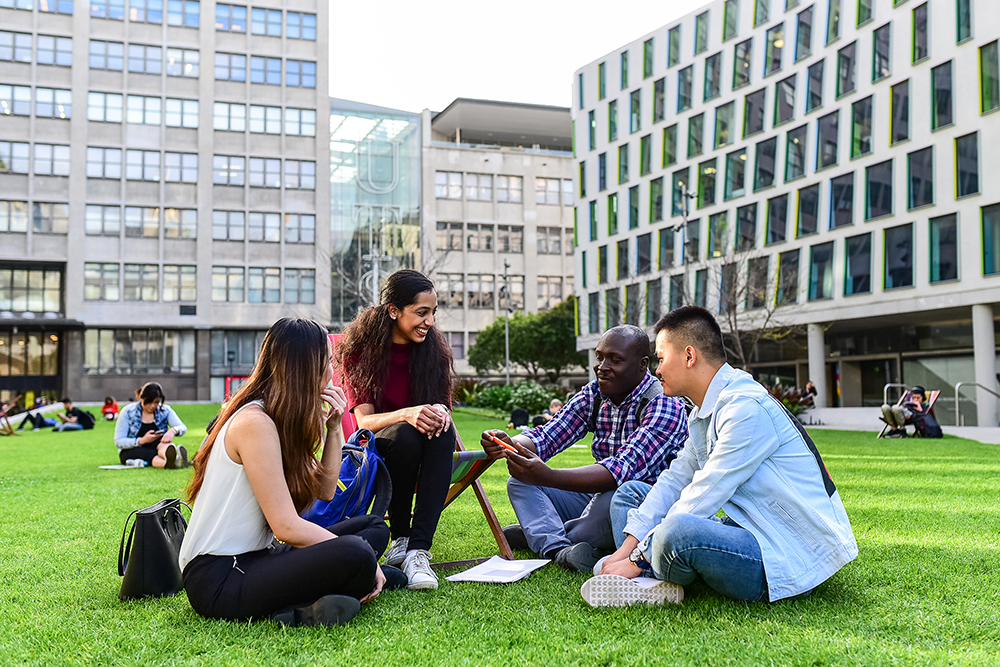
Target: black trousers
418,466
259,583
145,452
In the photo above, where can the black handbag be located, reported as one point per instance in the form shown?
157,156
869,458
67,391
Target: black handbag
148,561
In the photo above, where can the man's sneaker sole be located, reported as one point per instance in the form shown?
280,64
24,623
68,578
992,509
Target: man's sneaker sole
328,610
579,557
611,590
170,455
422,586
516,538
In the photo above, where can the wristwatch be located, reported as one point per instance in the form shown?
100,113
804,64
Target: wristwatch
639,559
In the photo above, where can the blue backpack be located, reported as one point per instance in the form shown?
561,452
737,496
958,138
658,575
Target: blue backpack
364,481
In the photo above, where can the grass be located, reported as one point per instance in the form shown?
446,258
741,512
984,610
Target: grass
925,589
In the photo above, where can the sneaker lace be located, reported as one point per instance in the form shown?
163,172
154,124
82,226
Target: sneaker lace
420,560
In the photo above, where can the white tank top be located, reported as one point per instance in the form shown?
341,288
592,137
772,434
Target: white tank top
227,519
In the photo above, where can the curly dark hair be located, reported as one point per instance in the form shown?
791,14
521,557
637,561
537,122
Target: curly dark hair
364,353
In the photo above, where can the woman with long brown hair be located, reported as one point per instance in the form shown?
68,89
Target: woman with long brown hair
398,367
255,474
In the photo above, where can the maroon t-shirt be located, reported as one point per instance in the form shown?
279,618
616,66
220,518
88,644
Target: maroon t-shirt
396,392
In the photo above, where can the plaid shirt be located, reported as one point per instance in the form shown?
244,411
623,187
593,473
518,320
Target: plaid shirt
629,451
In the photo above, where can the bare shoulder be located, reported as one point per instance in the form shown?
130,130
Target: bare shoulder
252,422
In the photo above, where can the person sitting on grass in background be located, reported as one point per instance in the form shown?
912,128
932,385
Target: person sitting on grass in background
554,406
73,419
785,529
36,419
397,369
913,411
110,408
563,512
254,476
145,430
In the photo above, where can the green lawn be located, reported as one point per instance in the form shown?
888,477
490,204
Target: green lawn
925,589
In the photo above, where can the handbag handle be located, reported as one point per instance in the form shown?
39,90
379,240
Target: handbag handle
123,548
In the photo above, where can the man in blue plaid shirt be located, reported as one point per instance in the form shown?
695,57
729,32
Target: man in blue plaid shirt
563,513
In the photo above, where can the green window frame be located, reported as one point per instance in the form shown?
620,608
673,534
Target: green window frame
623,68
633,207
701,33
899,112
602,81
635,111
942,105
713,77
742,61
724,124
730,19
655,200
696,135
897,257
991,239
736,170
861,127
673,46
989,77
645,154
761,10
647,58
963,20
832,21
612,214
821,271
858,264
795,153
593,220
623,163
920,47
943,232
864,12
881,52
718,227
685,82
707,173
670,145
592,129
967,165
613,120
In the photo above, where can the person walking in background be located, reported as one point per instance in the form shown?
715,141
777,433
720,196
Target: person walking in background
145,430
397,370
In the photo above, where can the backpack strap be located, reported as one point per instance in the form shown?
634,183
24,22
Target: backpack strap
652,391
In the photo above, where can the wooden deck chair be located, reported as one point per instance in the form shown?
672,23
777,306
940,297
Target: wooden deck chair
932,397
467,466
6,428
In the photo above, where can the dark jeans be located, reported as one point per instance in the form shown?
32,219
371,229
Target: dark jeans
145,452
34,418
418,466
259,583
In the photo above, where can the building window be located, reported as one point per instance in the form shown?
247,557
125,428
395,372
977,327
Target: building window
655,200
479,238
550,292
724,125
678,192
457,342
138,352
15,46
861,127
229,117
579,89
814,87
777,219
49,160
51,218
864,12
481,292
180,223
821,271
14,157
941,111
508,188
101,220
633,207
920,169
449,236
622,164
665,256
300,175
227,284
104,162
300,26
677,291
795,153
100,282
142,221
511,239
33,291
706,183
300,74
448,185
143,110
898,256
183,13
742,56
967,165
13,218
920,47
701,33
826,140
142,165
180,113
880,53
757,270
146,59
591,130
228,226
602,264
233,67
842,201
180,167
764,163
846,81
991,239
265,70
878,190
264,227
718,234
659,104
944,248
547,190
673,46
787,291
593,220
602,81
760,12
696,135
107,55
713,77
613,120
669,145
900,114
180,283
832,20
685,82
654,300
593,312
730,19
451,290
701,285
963,20
736,166
141,282
643,251
230,18
746,227
108,9
613,308
803,34
693,242
55,6
989,77
807,211
228,169
753,113
15,100
300,122
784,101
263,284
774,46
858,269
301,228
51,50
623,62
182,62
612,215
647,58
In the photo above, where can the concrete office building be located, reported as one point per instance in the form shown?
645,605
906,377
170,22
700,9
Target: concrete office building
832,158
163,189
497,189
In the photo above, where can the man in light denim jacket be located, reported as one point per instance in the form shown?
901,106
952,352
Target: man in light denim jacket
785,528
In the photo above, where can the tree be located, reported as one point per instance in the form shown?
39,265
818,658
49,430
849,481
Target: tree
542,343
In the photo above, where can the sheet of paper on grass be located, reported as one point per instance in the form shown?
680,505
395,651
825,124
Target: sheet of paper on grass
499,571
119,466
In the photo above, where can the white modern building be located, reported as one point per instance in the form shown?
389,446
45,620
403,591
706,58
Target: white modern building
817,166
164,189
498,203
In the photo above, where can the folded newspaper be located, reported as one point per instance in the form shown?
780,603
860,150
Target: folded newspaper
500,571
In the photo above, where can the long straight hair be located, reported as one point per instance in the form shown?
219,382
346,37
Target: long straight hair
287,381
364,353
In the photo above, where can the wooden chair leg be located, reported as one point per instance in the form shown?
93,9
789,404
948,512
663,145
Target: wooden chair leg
494,523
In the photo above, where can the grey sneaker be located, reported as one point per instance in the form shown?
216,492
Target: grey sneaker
328,610
611,590
397,552
417,568
515,537
579,557
184,456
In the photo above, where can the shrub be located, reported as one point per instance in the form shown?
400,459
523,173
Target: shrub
531,396
466,391
495,398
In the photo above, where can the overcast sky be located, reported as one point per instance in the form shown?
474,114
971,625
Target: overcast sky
412,55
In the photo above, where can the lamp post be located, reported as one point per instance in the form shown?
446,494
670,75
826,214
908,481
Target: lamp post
686,197
506,320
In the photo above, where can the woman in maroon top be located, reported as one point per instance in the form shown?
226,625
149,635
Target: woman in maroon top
397,368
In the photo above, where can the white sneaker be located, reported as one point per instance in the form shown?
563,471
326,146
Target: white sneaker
417,568
599,565
397,552
611,590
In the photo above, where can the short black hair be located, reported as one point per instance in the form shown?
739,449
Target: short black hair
66,399
695,326
638,340
917,389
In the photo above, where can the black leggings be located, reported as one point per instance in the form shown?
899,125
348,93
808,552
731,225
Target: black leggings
145,452
415,461
259,583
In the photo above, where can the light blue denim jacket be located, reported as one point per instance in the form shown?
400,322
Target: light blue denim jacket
130,420
750,458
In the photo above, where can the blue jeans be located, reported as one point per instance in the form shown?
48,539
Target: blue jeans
553,518
684,547
66,426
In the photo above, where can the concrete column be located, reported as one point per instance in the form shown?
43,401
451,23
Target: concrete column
984,342
817,362
591,361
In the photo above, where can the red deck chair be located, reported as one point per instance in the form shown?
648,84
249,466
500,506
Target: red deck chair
467,466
